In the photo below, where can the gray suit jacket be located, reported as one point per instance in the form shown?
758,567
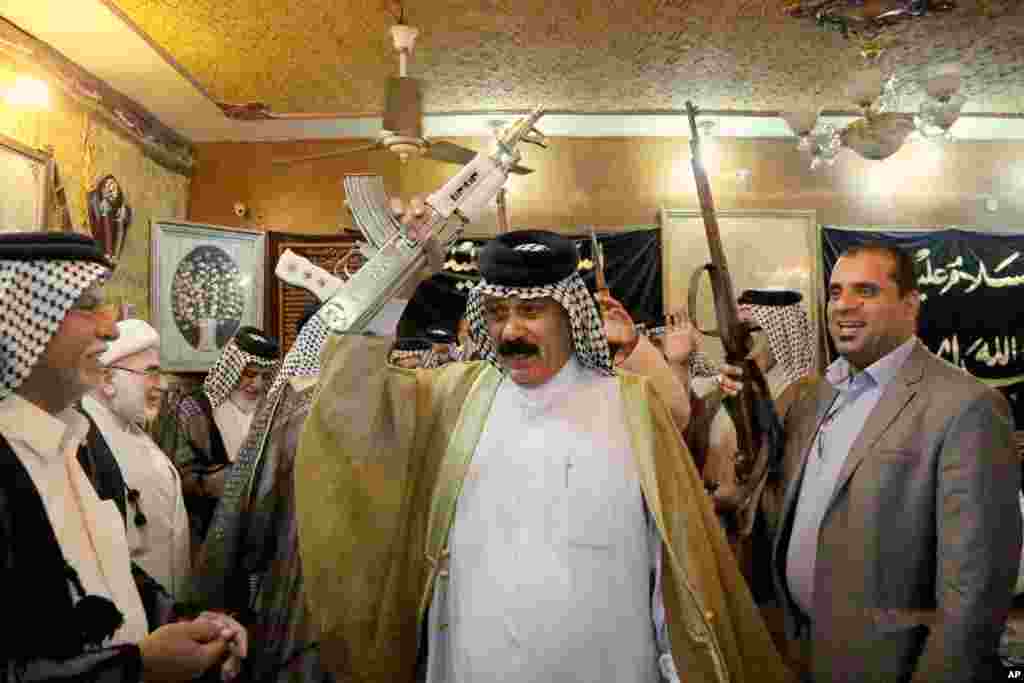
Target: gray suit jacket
919,548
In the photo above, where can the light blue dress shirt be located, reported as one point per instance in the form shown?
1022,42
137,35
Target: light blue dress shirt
858,396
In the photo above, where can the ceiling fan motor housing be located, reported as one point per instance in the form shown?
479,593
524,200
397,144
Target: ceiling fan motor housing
402,115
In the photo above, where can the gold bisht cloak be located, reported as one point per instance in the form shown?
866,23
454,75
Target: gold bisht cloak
384,448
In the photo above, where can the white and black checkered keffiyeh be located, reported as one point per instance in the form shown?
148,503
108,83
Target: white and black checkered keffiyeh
461,353
589,341
790,339
222,539
303,359
34,298
225,374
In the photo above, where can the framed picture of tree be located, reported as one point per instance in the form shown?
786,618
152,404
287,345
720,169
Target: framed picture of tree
207,281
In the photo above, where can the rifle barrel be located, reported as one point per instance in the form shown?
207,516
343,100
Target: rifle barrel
725,300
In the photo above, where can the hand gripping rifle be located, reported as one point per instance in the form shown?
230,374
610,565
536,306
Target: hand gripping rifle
350,305
752,458
398,258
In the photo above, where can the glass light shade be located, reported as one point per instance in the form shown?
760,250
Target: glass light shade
878,137
824,144
827,142
865,86
944,82
801,122
404,37
938,116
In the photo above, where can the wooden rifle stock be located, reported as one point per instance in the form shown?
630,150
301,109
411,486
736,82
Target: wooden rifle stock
597,256
502,212
734,333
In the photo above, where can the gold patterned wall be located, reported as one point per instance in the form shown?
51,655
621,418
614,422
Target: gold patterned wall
305,198
85,150
615,182
612,182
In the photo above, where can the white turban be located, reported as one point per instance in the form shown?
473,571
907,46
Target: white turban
134,336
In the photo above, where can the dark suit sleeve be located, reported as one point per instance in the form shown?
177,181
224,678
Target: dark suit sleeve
978,543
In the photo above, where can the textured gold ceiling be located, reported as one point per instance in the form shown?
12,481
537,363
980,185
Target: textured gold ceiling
307,56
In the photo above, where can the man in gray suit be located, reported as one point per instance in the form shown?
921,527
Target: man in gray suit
900,537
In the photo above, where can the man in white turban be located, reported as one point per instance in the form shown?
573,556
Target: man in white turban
128,396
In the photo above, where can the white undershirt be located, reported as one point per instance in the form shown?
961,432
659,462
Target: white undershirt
161,546
233,424
90,532
550,569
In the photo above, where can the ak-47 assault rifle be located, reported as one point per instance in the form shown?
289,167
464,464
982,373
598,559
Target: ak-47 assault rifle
754,454
397,258
350,305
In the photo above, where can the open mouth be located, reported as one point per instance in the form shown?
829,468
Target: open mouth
518,360
849,329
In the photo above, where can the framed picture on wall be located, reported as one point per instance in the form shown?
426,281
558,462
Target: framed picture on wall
23,184
207,281
764,248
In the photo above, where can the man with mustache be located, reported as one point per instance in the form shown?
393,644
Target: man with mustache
65,575
531,516
910,461
127,397
208,426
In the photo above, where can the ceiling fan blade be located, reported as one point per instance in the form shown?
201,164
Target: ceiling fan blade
520,170
450,152
402,107
326,155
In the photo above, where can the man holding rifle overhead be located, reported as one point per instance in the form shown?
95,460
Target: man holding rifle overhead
530,516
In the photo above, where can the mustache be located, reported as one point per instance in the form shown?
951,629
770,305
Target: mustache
518,348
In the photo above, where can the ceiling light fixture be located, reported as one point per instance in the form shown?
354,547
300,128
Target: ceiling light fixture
882,129
818,139
28,92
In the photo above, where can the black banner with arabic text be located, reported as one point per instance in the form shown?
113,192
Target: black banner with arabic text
972,298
